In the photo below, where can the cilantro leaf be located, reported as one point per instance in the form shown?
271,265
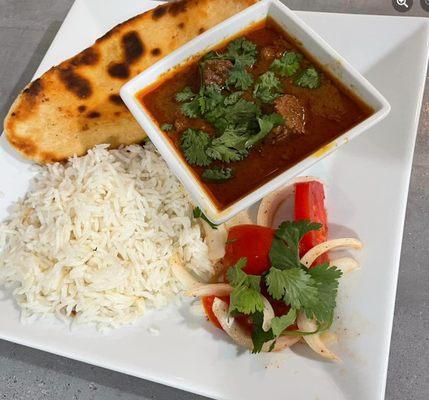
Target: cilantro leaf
228,147
245,300
191,109
246,297
268,87
194,144
295,286
279,324
266,124
288,64
233,98
309,79
242,51
239,78
197,213
284,252
185,95
326,281
259,336
217,174
166,127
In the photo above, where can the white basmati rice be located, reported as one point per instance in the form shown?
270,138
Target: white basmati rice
92,239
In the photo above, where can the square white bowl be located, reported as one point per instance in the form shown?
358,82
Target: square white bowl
309,40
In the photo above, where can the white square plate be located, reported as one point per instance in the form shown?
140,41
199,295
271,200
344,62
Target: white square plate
367,186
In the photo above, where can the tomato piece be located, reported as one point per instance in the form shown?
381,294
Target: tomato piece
208,308
310,205
254,243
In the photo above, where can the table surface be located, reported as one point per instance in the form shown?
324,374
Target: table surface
27,28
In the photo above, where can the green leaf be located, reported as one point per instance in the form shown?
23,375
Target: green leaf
309,78
266,124
288,64
191,109
233,98
197,213
284,252
166,127
268,87
242,51
326,281
259,336
295,286
239,78
235,274
246,300
194,144
217,174
279,324
185,95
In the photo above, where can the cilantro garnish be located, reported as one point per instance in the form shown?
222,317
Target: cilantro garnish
284,251
197,213
288,64
246,297
217,174
185,95
166,127
242,51
309,79
194,144
268,87
266,124
240,78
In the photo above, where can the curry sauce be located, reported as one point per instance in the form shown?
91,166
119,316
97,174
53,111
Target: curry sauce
314,109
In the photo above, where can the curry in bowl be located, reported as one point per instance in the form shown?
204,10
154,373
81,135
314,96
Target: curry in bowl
249,110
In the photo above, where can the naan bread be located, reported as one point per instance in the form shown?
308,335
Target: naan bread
76,105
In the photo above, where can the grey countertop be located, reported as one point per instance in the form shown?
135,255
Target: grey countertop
26,29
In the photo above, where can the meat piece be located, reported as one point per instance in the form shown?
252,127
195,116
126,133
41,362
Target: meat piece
293,113
216,71
328,102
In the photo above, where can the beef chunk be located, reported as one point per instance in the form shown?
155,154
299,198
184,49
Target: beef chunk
216,71
329,103
293,113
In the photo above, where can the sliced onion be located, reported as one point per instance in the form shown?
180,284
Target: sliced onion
181,274
345,264
271,203
240,336
318,250
314,341
268,314
214,289
242,218
215,240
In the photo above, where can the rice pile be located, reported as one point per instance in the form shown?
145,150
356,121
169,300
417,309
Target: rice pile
92,238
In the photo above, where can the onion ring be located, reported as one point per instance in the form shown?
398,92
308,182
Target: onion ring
181,274
321,248
345,264
214,289
240,336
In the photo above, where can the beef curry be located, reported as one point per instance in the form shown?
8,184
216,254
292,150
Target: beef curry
250,110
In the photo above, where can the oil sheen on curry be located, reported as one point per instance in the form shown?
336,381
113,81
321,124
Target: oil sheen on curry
250,110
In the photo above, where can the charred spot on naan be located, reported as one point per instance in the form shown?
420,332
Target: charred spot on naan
159,11
34,88
133,47
118,70
81,108
75,83
116,99
89,56
181,25
94,114
156,51
25,146
179,7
